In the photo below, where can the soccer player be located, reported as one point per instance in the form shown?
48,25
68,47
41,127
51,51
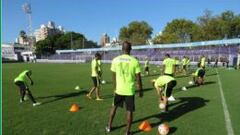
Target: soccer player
198,76
21,82
146,66
203,61
169,68
164,86
95,77
126,69
177,64
184,65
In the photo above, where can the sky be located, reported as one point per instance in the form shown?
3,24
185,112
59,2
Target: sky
95,17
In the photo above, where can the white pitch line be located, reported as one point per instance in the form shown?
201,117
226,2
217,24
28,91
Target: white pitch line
225,108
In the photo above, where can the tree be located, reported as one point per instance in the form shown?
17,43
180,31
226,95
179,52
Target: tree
136,32
69,40
179,30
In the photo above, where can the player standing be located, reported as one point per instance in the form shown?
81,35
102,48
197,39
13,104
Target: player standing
146,66
95,77
126,69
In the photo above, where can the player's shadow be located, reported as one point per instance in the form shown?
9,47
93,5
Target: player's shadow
62,96
176,110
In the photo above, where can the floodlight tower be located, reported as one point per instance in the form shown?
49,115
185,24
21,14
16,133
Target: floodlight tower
28,11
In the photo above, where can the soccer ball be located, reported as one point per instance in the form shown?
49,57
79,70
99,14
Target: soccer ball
190,82
77,87
103,82
163,129
162,106
184,88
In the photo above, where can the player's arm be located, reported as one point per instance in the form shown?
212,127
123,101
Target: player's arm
139,82
114,80
163,69
30,79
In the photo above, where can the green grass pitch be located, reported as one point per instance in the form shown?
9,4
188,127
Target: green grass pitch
197,111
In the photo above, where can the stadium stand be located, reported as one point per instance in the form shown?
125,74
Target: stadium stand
224,50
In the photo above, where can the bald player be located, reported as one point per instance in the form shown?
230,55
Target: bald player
126,69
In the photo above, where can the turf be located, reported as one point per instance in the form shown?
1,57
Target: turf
197,111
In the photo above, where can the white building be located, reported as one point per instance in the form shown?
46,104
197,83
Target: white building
8,52
47,30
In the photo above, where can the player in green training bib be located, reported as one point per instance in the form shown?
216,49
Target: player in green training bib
146,66
169,66
126,69
198,76
21,82
96,75
164,86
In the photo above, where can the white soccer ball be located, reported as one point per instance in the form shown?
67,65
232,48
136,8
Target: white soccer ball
77,88
162,106
184,88
103,82
163,129
190,82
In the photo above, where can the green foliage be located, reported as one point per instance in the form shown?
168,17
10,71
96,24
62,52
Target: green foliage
207,27
70,40
136,32
179,30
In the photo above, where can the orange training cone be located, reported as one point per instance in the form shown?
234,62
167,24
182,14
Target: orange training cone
145,126
74,108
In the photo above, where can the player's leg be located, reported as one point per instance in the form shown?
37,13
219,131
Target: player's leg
94,79
22,88
118,101
98,90
130,107
129,122
168,92
28,92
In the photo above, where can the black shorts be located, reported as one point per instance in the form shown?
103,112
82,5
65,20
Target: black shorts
21,85
168,88
128,100
201,73
146,68
168,74
96,81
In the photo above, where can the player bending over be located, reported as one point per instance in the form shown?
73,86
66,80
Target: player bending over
198,76
21,82
164,86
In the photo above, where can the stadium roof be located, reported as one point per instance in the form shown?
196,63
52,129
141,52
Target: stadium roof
176,45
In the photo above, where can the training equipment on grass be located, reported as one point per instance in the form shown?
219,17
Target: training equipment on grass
162,106
103,82
190,82
74,108
145,126
25,98
163,129
77,87
184,88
